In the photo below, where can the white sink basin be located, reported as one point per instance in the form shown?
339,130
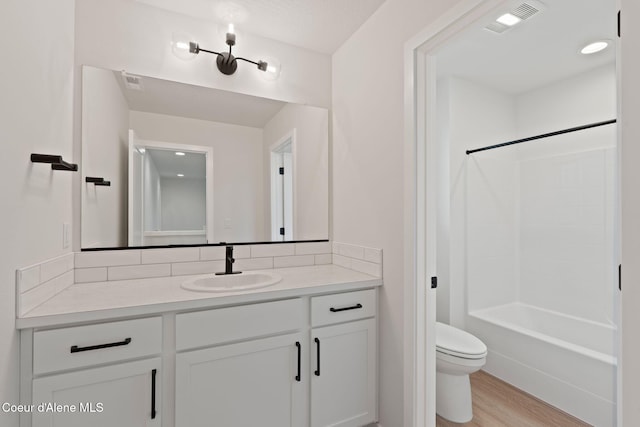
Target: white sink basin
232,282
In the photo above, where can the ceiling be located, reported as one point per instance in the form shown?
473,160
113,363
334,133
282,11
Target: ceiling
318,25
538,51
191,165
198,102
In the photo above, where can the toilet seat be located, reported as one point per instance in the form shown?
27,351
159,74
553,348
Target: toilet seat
458,343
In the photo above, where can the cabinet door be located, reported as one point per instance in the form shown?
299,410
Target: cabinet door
343,376
126,394
238,385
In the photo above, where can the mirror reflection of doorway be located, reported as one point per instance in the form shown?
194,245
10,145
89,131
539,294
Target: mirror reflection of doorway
282,165
168,198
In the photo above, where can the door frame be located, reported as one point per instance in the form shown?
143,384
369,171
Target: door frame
420,207
289,137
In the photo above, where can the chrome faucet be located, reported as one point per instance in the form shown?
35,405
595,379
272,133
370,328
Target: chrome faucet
229,260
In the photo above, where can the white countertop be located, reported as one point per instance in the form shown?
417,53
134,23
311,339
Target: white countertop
128,298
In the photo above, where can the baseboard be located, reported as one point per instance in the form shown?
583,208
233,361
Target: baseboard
566,397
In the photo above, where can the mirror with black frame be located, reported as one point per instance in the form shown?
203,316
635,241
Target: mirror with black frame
194,165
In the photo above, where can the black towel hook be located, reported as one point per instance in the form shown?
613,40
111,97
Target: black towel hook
56,162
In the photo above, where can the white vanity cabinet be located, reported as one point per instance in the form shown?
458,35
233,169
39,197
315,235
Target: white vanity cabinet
300,361
119,395
85,375
230,383
343,379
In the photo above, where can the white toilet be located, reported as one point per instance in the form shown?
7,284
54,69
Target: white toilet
458,354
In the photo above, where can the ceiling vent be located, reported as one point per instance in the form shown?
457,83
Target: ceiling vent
523,12
132,81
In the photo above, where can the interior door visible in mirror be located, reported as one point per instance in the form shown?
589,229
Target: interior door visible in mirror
170,193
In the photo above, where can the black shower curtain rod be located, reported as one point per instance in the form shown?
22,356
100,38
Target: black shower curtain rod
546,135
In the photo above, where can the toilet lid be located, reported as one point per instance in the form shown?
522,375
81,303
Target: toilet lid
457,342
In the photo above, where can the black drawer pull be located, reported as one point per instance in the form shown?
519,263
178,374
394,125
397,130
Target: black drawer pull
153,394
317,371
76,349
299,351
353,307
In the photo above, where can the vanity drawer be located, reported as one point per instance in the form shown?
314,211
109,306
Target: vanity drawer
211,327
79,346
335,308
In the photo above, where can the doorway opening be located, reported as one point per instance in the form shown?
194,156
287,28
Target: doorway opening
523,238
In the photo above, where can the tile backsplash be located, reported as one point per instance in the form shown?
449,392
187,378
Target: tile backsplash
38,283
144,263
359,258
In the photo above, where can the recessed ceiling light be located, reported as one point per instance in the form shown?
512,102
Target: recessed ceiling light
179,153
180,175
509,19
595,47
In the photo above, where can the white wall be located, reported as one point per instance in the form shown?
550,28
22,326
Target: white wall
151,195
131,36
482,199
367,163
36,115
539,216
578,100
237,169
183,203
105,118
567,196
311,175
565,231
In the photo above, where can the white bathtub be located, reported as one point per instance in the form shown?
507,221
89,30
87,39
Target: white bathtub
566,361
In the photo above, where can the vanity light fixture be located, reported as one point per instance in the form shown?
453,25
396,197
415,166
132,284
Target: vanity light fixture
595,47
225,61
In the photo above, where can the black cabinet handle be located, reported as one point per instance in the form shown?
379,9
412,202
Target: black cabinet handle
317,372
299,354
153,394
353,307
76,349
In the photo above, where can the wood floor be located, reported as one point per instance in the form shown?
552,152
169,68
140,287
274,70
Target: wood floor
498,404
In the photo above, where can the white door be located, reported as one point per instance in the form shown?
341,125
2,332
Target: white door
254,383
135,182
126,394
343,374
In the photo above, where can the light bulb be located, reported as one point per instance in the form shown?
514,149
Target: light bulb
273,69
231,29
180,46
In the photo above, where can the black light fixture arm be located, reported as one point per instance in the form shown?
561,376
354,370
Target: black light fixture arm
262,65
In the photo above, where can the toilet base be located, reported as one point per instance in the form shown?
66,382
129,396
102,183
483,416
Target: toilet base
453,397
